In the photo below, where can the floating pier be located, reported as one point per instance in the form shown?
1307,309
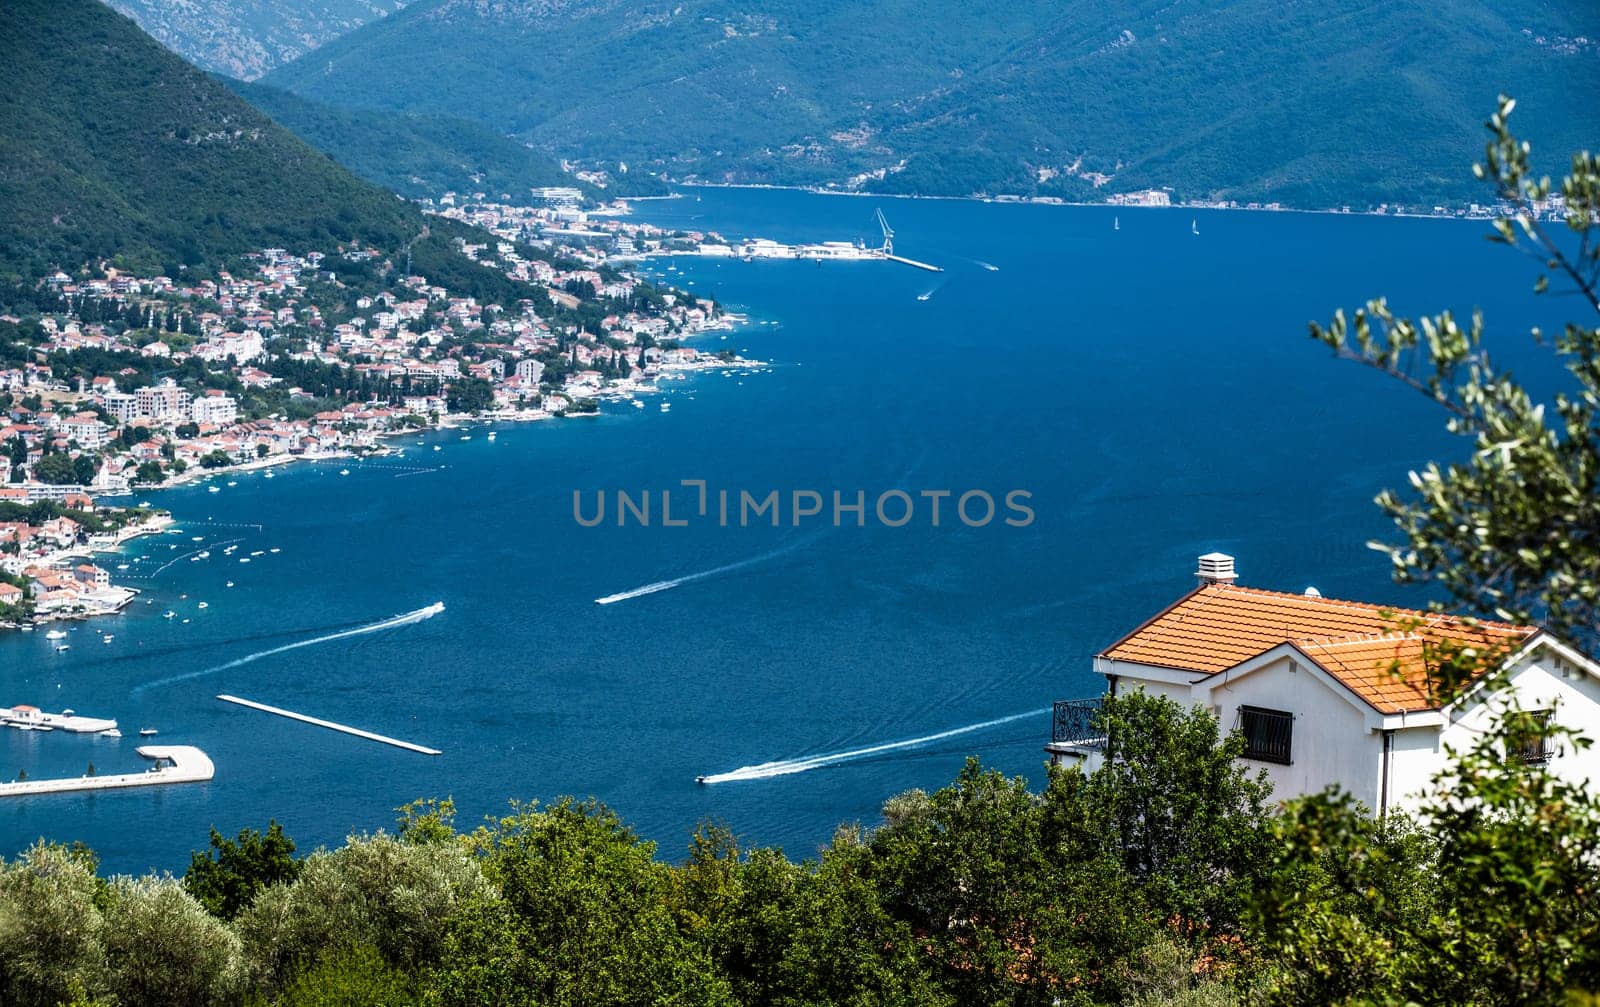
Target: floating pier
912,262
174,764
330,725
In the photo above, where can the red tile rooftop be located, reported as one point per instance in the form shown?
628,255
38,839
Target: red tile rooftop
1381,654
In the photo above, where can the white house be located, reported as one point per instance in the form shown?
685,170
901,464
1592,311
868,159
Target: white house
1331,692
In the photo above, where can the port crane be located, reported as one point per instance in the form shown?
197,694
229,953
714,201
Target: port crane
888,233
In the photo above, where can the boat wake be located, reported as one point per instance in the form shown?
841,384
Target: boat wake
667,585
991,267
785,767
408,619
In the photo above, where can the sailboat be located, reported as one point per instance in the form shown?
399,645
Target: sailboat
1116,223
1194,228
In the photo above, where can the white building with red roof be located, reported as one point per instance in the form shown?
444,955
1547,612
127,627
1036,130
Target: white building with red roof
1338,693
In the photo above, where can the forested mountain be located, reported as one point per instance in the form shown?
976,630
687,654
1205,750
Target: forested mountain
111,146
1315,104
246,38
415,155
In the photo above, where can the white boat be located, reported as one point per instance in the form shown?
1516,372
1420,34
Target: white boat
63,646
437,448
146,732
637,404
924,297
56,634
198,538
1116,223
258,552
344,472
213,489
466,437
112,733
491,435
232,483
244,559
108,638
269,474
170,613
1194,228
274,549
122,566
204,605
230,583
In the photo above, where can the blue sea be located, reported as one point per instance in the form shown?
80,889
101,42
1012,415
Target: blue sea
1153,391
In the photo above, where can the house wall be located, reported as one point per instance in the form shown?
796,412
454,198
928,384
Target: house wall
1334,740
1331,742
1542,684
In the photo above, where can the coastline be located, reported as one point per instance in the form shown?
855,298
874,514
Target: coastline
1005,200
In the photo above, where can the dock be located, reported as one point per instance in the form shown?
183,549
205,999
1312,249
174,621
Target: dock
330,725
31,718
174,764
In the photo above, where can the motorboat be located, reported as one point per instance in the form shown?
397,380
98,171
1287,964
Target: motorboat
148,732
56,634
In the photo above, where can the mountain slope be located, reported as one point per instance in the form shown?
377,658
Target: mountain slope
246,38
1342,101
112,146
415,155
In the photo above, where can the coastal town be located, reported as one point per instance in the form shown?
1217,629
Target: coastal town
132,381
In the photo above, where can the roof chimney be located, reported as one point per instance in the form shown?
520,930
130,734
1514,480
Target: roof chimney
1215,568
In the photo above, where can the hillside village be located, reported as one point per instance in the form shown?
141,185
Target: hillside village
130,380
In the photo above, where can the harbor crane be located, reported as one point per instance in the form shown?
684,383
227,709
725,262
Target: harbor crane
888,233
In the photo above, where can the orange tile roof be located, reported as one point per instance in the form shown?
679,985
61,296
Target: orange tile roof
1380,654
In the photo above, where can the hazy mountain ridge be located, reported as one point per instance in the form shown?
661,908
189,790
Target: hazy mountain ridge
247,38
1320,104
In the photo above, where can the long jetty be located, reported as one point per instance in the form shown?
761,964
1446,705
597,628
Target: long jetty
912,262
330,725
174,764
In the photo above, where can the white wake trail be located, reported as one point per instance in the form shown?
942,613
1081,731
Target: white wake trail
784,767
667,585
408,619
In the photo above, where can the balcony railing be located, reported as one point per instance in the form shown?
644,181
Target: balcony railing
1073,723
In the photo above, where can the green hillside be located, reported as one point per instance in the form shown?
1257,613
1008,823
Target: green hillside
1343,101
111,146
415,155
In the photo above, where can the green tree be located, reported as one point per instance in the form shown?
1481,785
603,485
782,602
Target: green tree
51,930
163,948
582,918
1514,530
396,896
55,468
227,878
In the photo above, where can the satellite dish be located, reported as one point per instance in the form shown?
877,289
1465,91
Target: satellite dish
1312,592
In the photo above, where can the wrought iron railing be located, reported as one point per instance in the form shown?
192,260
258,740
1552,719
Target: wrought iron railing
1073,723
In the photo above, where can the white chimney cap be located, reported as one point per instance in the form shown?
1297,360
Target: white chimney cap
1216,568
